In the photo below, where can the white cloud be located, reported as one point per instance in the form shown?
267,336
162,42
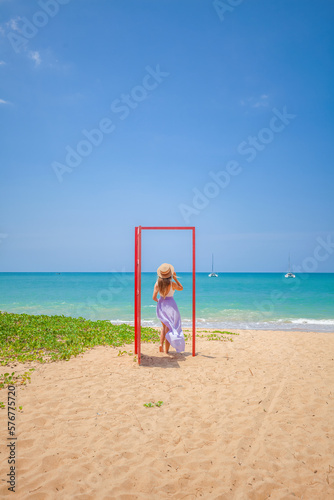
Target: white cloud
3,102
12,24
255,102
2,63
35,56
262,102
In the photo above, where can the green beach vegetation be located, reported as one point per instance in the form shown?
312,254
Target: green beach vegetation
26,338
220,336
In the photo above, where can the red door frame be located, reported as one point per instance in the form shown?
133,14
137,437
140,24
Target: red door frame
137,317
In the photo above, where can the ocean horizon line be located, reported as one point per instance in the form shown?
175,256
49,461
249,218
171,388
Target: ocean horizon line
154,272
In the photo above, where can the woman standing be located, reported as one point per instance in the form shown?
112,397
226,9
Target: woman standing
167,310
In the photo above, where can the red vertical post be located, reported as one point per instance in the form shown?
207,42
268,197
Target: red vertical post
136,291
194,291
139,297
137,308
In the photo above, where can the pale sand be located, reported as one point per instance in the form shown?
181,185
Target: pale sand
249,419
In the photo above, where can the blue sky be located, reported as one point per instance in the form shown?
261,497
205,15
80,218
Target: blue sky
123,112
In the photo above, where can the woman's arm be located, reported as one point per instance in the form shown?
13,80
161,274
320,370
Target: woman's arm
177,284
155,292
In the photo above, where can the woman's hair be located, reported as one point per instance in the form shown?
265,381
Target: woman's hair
163,285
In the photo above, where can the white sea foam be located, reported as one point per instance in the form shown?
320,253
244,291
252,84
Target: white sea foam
321,325
121,322
306,321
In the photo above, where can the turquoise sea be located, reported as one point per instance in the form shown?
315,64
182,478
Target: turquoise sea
233,300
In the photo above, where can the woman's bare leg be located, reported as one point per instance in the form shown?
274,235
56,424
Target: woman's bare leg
162,337
167,346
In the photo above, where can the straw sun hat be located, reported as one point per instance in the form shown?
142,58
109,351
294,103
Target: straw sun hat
165,271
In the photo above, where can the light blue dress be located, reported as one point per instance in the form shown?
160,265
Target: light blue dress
168,313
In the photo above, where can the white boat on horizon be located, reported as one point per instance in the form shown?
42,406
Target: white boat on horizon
289,274
213,274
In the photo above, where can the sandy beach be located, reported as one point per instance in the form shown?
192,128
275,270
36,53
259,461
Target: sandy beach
248,419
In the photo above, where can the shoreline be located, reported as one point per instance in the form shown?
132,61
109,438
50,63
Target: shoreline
298,325
324,326
304,324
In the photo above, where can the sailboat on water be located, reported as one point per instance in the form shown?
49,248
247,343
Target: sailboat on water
289,274
213,274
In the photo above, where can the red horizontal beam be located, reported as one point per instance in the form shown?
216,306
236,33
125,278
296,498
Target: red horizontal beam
192,228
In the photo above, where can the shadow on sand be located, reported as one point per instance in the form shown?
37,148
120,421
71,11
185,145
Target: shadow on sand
170,360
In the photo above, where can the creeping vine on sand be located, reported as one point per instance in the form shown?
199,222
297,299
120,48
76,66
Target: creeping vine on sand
12,379
42,338
151,405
